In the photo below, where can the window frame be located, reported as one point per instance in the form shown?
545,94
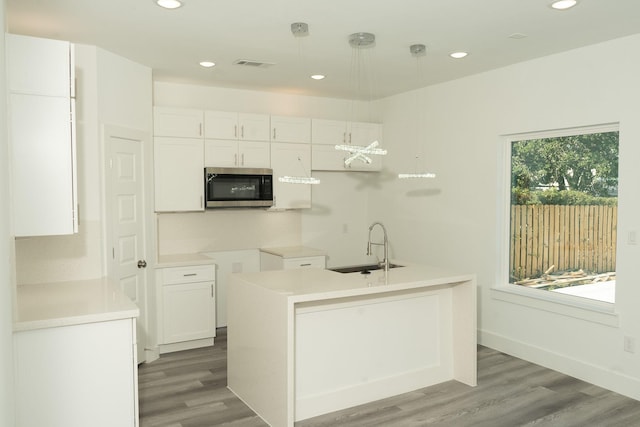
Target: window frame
569,305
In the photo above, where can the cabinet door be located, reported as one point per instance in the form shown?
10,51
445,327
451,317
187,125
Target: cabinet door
290,129
39,66
221,125
221,153
363,133
292,160
325,157
253,127
43,164
304,262
179,172
328,132
178,122
189,312
254,154
77,376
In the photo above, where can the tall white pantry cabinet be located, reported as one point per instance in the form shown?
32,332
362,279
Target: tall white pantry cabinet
42,135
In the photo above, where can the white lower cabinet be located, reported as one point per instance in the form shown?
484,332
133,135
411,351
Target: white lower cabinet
186,307
77,376
276,262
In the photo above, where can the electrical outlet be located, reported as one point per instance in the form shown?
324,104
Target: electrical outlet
629,344
236,267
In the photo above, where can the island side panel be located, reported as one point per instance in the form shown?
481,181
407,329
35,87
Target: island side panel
356,350
465,340
258,350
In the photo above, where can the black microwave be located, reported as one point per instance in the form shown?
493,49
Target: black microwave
238,187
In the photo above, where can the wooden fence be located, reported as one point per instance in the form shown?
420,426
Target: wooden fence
562,237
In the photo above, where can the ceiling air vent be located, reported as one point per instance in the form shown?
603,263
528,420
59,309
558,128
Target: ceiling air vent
252,63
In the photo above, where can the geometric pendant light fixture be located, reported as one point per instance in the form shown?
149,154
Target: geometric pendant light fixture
359,41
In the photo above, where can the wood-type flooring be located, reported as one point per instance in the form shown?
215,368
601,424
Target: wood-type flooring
188,389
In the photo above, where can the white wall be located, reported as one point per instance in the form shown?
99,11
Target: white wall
336,221
110,90
7,413
455,220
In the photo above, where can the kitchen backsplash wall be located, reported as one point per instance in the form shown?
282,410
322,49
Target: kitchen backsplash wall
226,229
60,258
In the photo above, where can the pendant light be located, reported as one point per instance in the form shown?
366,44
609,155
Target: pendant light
306,179
358,42
299,29
417,51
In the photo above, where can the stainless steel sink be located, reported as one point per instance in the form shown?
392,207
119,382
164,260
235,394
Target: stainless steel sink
362,269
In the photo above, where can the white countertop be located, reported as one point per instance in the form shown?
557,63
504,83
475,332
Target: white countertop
50,305
314,284
294,251
182,260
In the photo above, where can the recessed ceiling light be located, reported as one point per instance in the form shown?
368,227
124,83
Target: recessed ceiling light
169,4
318,76
563,4
207,64
458,55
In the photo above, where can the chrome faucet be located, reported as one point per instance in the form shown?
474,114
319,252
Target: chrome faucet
385,243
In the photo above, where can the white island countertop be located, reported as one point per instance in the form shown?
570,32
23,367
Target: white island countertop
318,284
49,305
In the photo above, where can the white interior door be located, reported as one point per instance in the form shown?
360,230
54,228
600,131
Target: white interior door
125,207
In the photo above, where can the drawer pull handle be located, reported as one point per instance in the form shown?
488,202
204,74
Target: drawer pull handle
305,265
190,274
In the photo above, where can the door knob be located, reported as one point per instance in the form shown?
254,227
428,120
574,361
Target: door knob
142,264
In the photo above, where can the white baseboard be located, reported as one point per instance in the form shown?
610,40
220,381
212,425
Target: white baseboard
335,400
597,375
185,345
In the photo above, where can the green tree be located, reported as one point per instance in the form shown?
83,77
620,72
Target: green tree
585,163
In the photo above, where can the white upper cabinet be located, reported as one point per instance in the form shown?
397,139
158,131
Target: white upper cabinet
39,66
363,133
179,174
239,126
326,134
290,129
178,122
42,136
329,131
230,153
290,160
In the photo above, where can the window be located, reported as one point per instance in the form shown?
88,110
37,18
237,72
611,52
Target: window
563,213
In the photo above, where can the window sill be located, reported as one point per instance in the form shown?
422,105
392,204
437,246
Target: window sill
566,305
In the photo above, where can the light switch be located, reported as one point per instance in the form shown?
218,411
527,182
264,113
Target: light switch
632,238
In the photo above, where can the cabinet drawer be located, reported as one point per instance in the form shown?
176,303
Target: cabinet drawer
305,262
200,273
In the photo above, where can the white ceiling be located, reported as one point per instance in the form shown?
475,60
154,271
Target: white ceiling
172,42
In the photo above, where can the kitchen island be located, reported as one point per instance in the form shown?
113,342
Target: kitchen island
307,342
